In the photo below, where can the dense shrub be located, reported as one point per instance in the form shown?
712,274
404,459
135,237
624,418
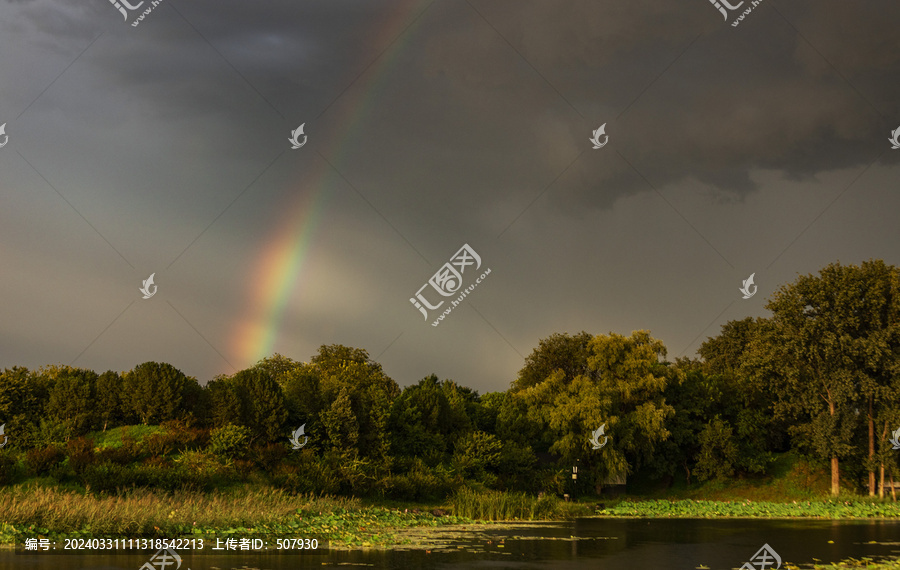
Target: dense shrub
81,454
128,453
8,468
185,436
516,465
48,433
157,474
175,437
201,462
42,461
307,473
420,483
229,441
106,477
159,444
287,477
269,456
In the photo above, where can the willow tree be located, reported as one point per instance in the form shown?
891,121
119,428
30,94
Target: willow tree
621,386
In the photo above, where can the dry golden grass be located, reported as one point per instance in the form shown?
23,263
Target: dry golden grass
143,511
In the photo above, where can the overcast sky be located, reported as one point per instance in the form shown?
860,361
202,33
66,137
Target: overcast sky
162,148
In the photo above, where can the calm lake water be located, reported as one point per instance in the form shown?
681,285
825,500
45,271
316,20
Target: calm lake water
582,544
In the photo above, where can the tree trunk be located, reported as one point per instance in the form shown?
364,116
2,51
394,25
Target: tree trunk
835,477
893,491
688,471
881,471
871,450
835,470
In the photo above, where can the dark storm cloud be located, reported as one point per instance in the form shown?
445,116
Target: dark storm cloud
754,97
161,137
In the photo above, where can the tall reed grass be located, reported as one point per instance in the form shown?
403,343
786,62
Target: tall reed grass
505,505
151,512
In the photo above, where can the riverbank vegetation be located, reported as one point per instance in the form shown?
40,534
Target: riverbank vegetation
344,522
772,405
820,509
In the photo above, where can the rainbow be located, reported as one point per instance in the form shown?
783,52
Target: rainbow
286,249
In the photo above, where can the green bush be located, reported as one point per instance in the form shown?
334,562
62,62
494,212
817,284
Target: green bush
106,477
306,472
420,483
185,437
127,454
175,436
516,467
160,444
270,456
229,441
201,462
49,433
718,452
8,468
156,474
42,461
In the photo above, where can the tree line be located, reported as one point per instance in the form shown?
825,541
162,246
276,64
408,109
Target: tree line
820,377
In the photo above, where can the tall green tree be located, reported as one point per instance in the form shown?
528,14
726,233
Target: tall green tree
559,351
72,400
340,423
695,398
722,354
428,418
225,406
744,406
154,391
826,350
874,343
23,398
279,367
110,400
343,370
263,408
304,400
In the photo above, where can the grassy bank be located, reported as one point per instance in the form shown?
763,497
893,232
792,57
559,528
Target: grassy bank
816,508
857,564
48,511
